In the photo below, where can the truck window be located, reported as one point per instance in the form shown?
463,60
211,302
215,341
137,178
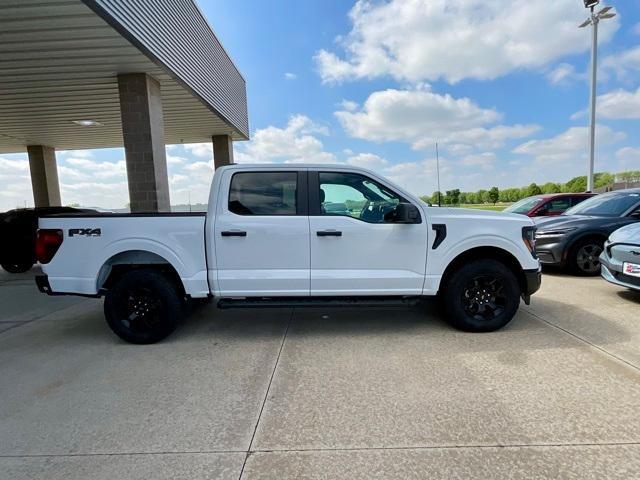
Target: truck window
355,196
263,193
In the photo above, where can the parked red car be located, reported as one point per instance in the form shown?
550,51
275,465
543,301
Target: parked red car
548,205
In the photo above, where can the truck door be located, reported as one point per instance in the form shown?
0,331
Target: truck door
354,250
261,234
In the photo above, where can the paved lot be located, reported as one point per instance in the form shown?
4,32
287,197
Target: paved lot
354,394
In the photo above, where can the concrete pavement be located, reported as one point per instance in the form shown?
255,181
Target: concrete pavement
384,393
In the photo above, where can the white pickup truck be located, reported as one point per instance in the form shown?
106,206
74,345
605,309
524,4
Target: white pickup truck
292,235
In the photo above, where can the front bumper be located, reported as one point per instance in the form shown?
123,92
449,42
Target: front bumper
551,250
532,282
612,271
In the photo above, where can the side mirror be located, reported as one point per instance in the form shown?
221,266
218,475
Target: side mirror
403,213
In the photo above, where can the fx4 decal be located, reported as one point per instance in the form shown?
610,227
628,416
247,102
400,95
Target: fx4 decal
85,232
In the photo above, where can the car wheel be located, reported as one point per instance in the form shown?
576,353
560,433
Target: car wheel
143,307
584,257
17,267
481,296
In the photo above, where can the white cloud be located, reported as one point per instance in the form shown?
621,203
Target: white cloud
201,150
290,76
296,142
455,39
625,65
368,160
348,105
561,74
628,158
484,160
420,116
570,141
16,182
616,105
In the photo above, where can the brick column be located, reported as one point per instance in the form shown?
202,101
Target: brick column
222,150
44,176
143,135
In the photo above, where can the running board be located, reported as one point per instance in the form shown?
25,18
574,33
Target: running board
339,302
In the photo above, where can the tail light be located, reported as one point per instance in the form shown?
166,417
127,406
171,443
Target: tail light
47,244
529,239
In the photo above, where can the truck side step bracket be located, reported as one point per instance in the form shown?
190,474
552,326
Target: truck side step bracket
338,302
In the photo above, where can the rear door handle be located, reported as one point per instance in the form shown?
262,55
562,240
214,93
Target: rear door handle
233,233
329,233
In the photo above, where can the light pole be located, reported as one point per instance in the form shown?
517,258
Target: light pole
438,172
593,20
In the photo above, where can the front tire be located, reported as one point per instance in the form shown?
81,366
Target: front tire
143,307
584,257
481,296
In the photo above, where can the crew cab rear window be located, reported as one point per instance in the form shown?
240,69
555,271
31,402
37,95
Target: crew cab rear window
263,193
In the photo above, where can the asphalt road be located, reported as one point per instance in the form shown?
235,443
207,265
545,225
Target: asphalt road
357,394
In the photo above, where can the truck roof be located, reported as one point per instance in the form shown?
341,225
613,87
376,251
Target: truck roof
294,166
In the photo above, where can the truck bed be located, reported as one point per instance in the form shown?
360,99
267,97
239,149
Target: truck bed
93,243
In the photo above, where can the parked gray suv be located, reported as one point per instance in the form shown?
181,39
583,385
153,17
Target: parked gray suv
576,238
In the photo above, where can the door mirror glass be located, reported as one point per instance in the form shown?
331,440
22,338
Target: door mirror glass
403,213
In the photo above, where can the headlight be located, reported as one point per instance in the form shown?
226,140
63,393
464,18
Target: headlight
555,233
529,239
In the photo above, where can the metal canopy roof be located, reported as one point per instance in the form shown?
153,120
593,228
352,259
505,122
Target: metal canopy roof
59,60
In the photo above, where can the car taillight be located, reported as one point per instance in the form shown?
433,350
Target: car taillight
47,244
529,239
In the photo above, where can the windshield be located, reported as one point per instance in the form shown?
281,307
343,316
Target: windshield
524,205
606,205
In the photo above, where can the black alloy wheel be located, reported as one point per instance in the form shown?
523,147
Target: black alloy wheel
142,311
484,297
144,306
481,295
587,258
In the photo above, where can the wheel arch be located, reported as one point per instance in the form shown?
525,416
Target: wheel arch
485,252
119,264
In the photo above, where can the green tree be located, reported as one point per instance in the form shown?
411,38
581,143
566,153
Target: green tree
551,187
454,196
494,195
576,184
533,189
603,179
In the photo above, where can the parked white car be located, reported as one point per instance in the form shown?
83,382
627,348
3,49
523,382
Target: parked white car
620,258
267,240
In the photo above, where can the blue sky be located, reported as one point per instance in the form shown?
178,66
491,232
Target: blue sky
501,85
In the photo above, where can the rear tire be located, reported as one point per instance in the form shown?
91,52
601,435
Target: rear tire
143,307
584,257
17,267
481,296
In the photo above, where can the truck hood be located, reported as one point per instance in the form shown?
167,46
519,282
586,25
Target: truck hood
436,214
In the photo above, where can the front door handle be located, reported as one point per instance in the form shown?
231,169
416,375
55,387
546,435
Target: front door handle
233,233
329,233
